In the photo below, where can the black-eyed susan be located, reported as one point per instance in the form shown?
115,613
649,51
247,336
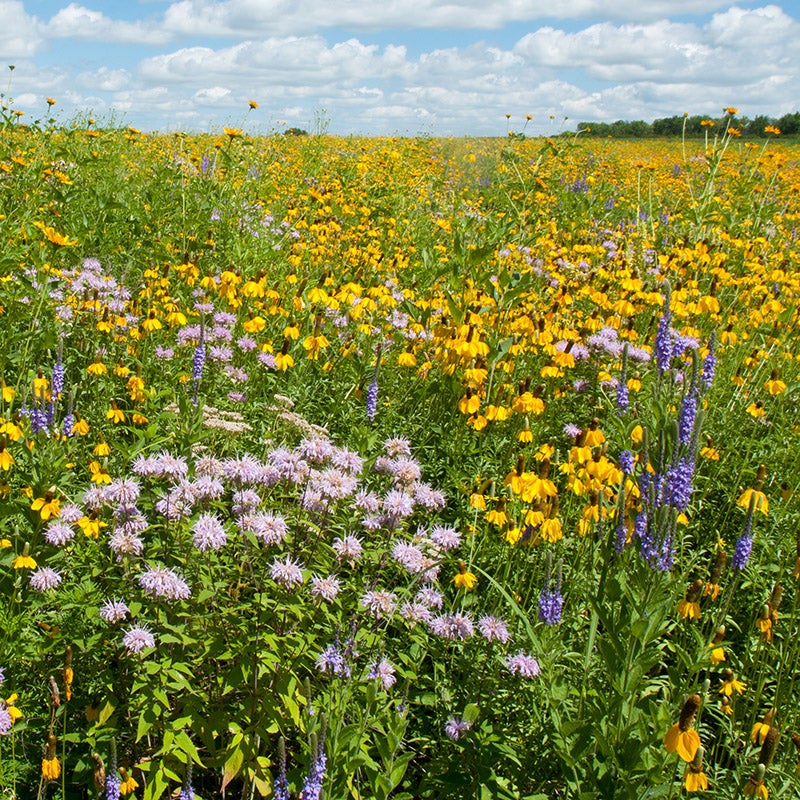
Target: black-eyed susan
681,738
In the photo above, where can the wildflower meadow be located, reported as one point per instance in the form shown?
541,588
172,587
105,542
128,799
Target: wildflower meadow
406,467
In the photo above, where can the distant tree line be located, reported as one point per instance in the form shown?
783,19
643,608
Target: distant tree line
788,125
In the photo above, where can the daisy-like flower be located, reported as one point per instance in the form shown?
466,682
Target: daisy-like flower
464,579
681,737
730,684
760,730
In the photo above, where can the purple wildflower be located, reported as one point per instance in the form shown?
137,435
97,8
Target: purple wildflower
325,588
493,629
58,534
347,548
384,672
663,346
524,665
287,573
454,728
113,782
138,638
372,400
114,611
208,533
709,362
687,417
6,723
445,537
160,582
626,462
312,786
44,578
623,401
380,604
744,544
551,603
332,661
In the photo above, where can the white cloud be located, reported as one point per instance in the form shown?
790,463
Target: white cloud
631,59
248,18
78,22
277,63
19,32
718,54
104,79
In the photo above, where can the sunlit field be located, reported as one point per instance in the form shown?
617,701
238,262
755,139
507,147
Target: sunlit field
411,468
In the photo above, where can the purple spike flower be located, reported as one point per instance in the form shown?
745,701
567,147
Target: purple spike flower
687,418
372,400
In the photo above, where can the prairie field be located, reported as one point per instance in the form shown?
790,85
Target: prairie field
405,467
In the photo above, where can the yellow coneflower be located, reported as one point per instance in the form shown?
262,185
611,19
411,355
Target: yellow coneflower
755,784
717,651
730,684
51,768
25,560
497,516
760,730
712,587
681,737
115,414
6,459
689,607
774,385
128,784
464,579
694,779
47,506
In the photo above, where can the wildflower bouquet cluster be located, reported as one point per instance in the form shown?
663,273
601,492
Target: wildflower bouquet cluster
527,526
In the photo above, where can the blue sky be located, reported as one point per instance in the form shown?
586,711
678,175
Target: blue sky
398,67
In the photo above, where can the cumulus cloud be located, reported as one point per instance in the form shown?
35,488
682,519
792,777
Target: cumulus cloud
274,17
19,32
78,22
197,63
